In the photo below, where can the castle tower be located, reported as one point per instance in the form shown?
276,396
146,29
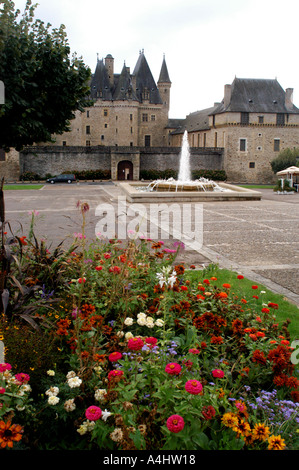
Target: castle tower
164,85
109,64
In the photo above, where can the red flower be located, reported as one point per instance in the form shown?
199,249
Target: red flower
151,341
265,310
115,373
226,286
114,269
115,356
194,351
216,340
273,305
208,412
22,240
175,423
240,276
254,287
98,268
22,378
173,368
218,373
206,281
135,344
184,288
259,357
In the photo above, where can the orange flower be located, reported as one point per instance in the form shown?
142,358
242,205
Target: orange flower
222,295
22,240
276,443
9,433
226,286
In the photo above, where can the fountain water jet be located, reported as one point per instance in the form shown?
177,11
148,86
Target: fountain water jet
184,181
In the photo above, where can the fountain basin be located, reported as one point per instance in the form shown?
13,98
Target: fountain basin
134,193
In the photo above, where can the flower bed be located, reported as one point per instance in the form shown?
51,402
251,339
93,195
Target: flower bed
114,346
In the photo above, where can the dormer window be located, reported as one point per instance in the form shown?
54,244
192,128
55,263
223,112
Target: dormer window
244,118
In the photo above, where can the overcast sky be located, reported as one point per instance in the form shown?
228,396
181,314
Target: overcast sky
206,42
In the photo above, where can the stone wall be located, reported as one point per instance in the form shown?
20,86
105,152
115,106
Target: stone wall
56,160
10,169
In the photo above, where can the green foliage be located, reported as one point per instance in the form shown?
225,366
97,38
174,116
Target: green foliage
286,158
44,86
217,175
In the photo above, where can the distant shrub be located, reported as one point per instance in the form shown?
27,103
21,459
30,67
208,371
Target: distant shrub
286,158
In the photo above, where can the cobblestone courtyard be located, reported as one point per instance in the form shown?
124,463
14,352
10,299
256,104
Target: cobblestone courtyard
259,239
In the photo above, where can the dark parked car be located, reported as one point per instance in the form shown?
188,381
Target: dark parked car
62,179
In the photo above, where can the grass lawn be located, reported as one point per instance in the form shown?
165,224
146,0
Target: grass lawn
257,186
22,186
243,289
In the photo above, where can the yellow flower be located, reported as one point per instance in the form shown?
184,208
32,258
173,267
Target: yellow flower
229,419
276,443
260,432
242,428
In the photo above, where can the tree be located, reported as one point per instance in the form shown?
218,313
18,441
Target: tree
44,84
286,158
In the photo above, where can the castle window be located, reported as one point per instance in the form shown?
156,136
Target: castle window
243,145
131,117
215,140
106,125
244,118
131,130
144,117
87,129
2,155
105,112
102,137
153,117
280,119
261,119
64,143
276,145
88,143
147,140
87,114
251,164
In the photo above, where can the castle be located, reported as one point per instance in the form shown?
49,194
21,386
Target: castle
127,128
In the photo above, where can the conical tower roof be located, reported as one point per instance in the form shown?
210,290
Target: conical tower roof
164,75
145,81
124,89
100,84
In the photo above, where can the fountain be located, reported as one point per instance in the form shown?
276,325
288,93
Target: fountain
184,189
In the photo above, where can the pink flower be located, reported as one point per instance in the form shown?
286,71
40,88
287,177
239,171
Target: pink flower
173,368
135,344
4,366
115,356
22,378
218,373
175,423
93,413
193,386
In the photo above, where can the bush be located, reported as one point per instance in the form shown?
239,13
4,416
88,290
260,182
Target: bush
30,176
286,158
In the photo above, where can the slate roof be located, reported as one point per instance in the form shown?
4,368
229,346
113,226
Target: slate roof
145,80
256,96
197,121
164,75
122,86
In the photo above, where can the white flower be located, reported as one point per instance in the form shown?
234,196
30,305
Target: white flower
150,322
53,400
128,335
120,334
141,321
51,372
128,321
141,315
159,322
69,405
105,415
52,391
74,382
98,370
70,374
100,393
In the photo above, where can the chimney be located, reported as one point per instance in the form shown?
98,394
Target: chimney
227,94
289,97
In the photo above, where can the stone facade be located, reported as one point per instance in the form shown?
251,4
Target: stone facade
254,122
9,165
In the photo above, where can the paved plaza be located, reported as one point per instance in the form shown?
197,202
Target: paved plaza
259,239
